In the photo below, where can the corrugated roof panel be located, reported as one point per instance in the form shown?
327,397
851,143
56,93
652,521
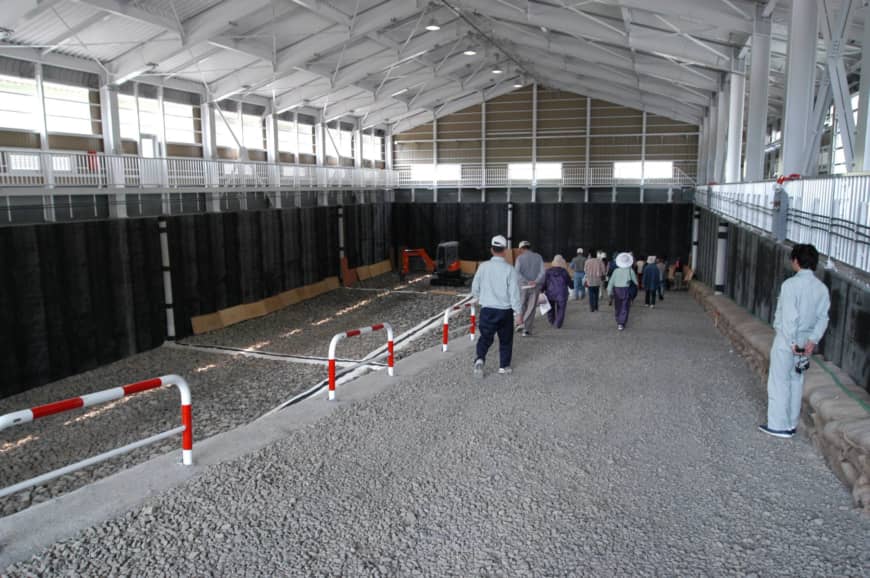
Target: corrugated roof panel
51,24
225,63
184,8
110,38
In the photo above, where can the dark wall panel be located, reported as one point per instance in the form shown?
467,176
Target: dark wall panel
757,267
74,296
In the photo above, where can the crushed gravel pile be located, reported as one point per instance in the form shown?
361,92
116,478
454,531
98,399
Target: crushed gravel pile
306,328
227,391
605,453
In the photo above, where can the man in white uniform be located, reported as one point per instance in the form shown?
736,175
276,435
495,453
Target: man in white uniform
800,322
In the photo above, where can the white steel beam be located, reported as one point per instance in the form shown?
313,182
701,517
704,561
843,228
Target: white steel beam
20,11
759,82
802,37
211,23
733,174
71,32
834,30
721,135
862,138
419,118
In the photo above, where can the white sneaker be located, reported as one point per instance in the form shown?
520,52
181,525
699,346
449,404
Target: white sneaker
620,327
478,368
505,370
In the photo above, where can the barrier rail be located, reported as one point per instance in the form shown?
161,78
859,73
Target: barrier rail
832,213
22,168
353,333
450,311
28,415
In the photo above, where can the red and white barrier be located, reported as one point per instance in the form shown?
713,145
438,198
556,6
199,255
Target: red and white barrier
361,331
28,415
449,312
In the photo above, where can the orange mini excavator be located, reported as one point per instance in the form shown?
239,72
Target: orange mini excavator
446,269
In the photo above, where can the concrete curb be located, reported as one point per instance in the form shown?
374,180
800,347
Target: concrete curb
836,423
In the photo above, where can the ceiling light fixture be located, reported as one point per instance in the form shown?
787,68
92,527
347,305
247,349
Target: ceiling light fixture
397,93
433,26
470,52
497,70
518,83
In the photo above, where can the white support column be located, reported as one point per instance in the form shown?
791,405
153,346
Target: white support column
358,149
721,135
735,124
862,138
388,148
534,142
209,153
274,157
434,158
47,165
802,40
482,147
112,146
642,155
320,143
701,169
164,167
759,80
712,117
588,151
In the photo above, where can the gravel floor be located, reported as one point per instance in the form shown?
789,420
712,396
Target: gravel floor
306,328
604,454
216,381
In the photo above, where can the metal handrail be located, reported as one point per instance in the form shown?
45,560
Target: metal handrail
23,168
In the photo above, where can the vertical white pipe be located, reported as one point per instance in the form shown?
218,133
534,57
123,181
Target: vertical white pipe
482,147
696,220
721,134
721,261
588,149
534,141
167,279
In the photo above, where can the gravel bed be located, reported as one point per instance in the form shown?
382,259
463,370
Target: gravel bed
215,380
227,391
605,453
307,327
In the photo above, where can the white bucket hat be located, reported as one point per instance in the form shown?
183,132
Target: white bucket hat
624,260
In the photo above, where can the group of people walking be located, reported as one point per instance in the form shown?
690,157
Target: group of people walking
508,295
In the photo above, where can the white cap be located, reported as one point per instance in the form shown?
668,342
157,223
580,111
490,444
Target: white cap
651,259
580,251
499,241
524,244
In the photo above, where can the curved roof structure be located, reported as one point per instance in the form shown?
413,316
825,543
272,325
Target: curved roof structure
400,62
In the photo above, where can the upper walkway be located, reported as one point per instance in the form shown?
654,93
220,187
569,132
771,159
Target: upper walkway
605,453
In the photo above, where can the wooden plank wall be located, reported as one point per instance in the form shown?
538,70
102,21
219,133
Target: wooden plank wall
615,133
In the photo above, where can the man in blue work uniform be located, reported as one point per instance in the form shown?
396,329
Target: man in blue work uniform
800,322
497,290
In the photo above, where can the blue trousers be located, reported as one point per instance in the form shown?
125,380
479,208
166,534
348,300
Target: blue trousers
579,289
593,298
490,323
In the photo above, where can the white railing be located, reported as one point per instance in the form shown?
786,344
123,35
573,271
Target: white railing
57,169
573,174
832,213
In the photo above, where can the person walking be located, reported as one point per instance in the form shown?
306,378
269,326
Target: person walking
619,288
556,284
530,268
595,270
662,267
497,290
651,281
578,265
800,321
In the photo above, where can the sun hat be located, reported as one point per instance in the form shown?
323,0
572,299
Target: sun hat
624,260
